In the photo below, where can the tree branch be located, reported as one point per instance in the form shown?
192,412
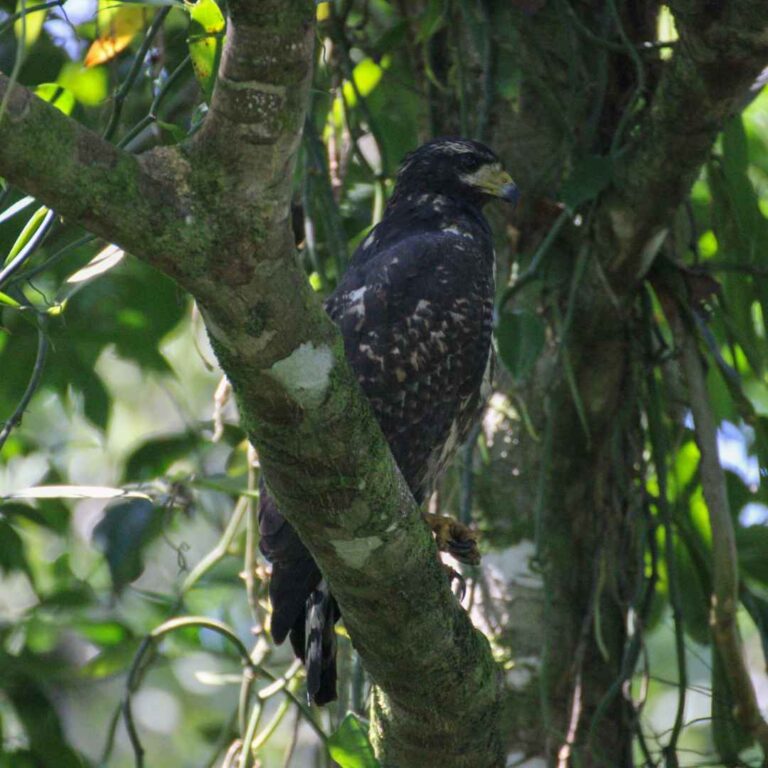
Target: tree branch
217,220
722,49
84,178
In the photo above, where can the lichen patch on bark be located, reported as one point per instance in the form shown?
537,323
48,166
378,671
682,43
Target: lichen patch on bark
355,552
305,373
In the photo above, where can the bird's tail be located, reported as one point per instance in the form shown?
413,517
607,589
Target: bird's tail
320,650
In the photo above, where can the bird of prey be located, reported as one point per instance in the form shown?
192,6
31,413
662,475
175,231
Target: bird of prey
415,309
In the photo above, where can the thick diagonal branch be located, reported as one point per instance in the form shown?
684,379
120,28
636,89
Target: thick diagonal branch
722,49
215,218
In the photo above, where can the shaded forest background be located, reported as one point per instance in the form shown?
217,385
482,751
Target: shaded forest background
128,486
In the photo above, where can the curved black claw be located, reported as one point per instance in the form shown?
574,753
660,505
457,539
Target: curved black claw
453,574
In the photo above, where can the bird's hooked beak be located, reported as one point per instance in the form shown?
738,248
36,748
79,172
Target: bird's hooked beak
494,181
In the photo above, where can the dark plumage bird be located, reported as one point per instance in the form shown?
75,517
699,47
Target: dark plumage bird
415,310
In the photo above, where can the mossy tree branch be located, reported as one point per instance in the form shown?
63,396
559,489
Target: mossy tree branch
721,50
214,215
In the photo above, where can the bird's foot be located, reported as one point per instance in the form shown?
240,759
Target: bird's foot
455,538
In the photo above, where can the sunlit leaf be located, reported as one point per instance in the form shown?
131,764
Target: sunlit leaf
89,86
117,28
323,11
31,24
56,95
6,299
104,633
206,32
17,207
366,75
26,234
666,31
520,335
126,529
103,261
74,492
349,745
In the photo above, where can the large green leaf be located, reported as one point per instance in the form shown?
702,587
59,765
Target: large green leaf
349,745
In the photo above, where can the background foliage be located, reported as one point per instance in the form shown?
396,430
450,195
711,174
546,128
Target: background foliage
128,486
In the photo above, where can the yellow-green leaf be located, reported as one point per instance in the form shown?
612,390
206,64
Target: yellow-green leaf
206,33
88,86
56,95
31,24
27,233
6,299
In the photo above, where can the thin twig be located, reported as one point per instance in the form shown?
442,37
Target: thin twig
133,73
533,268
34,383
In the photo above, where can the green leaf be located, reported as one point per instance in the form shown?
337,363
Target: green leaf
56,95
41,723
27,233
588,179
6,299
31,24
349,745
104,633
752,546
88,86
111,661
366,75
154,458
11,549
206,33
126,530
521,336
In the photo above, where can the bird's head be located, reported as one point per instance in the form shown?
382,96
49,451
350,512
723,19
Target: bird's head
457,168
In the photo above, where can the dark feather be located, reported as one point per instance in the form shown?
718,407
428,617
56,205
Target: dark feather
415,310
